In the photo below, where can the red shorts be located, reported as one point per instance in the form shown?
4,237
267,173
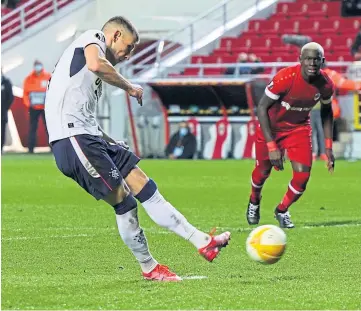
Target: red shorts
297,142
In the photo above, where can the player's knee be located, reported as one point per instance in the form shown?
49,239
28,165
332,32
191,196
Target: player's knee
264,168
126,205
300,180
147,192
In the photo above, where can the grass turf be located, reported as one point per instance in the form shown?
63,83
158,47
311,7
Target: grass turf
61,249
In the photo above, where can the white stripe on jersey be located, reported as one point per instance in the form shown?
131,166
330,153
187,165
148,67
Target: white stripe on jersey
271,95
73,91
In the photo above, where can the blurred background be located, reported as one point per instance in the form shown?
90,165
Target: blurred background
203,64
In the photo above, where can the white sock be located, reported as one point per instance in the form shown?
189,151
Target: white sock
165,215
134,238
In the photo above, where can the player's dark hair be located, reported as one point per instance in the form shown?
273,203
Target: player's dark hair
122,21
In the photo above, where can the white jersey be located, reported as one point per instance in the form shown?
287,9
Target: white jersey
73,91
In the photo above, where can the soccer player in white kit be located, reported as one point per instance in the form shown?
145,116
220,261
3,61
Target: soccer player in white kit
105,169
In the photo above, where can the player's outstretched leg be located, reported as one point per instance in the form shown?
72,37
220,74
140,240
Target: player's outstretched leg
132,234
259,175
164,214
296,187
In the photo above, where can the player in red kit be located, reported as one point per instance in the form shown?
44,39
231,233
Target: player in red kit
284,116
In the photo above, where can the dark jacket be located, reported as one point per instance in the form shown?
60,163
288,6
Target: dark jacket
188,142
356,45
7,97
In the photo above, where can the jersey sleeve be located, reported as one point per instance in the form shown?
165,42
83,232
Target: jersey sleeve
94,37
327,92
279,85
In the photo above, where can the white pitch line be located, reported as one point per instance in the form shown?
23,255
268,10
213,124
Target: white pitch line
48,236
155,231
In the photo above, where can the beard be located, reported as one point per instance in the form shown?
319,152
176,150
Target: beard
110,57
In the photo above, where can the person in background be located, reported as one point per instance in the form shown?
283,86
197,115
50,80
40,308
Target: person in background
34,98
242,58
342,84
254,59
355,47
7,98
182,144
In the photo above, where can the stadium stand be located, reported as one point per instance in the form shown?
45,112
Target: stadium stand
32,11
320,20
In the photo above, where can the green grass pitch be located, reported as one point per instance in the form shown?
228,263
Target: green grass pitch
61,249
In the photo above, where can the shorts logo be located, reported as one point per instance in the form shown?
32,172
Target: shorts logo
90,169
317,96
114,173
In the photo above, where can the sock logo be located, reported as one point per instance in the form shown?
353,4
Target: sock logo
140,238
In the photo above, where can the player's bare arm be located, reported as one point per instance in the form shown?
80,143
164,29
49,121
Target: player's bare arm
105,70
327,122
275,154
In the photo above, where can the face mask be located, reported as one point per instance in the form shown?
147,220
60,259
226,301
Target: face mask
38,67
183,131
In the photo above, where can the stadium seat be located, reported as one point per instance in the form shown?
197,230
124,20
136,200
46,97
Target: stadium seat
191,71
195,128
291,9
219,144
321,20
342,57
255,24
214,71
198,59
245,147
228,43
35,12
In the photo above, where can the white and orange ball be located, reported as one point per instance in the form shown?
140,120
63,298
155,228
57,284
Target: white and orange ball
266,244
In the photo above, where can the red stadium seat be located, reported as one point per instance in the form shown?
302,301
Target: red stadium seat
324,9
276,27
228,43
220,142
214,71
220,52
343,41
309,26
340,58
198,59
238,50
333,43
291,9
321,20
35,12
285,49
229,59
255,24
191,71
350,25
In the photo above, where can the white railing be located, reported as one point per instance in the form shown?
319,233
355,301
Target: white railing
164,73
219,18
22,17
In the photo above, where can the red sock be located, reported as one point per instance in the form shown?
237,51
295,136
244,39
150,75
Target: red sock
295,190
257,181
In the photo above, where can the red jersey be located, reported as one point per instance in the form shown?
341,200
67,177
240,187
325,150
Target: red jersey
295,98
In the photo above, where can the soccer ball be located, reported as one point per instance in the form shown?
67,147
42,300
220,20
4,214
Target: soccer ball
266,244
